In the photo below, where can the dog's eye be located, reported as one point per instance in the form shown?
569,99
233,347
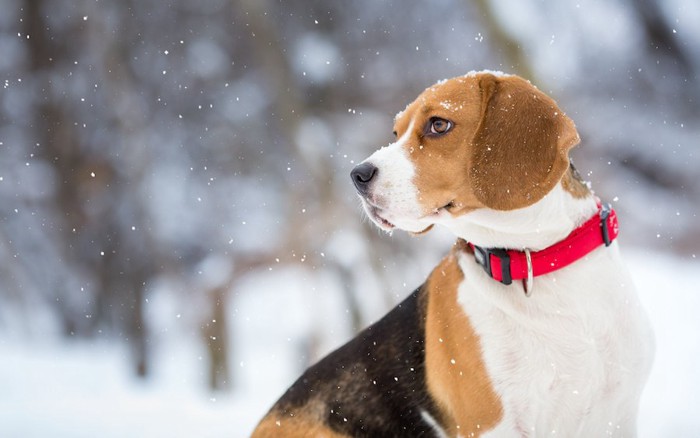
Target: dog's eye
439,126
395,134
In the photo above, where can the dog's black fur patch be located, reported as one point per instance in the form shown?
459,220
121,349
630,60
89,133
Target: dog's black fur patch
375,384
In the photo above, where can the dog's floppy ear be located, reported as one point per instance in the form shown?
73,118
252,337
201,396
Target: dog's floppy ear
520,148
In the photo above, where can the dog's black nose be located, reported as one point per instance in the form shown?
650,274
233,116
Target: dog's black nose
362,176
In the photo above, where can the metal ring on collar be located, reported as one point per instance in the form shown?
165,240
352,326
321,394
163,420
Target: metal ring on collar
528,282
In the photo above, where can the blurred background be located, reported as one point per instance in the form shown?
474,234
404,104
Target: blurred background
179,236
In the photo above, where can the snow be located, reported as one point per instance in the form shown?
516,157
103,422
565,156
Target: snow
84,389
496,73
669,288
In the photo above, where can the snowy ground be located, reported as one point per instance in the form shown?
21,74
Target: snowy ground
86,390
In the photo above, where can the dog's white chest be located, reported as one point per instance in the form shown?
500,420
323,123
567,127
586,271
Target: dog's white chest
569,360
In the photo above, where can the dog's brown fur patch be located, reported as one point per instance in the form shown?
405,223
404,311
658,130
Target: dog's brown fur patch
520,150
442,162
455,372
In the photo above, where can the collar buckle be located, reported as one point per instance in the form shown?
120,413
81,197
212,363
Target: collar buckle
483,257
604,214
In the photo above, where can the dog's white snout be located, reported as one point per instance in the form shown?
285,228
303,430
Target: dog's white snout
385,182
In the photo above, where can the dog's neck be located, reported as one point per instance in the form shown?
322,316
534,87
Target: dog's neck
535,227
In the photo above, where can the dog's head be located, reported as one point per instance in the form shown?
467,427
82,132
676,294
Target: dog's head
481,141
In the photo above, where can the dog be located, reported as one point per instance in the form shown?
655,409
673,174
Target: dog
530,326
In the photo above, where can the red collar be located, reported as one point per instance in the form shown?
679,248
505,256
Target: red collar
507,265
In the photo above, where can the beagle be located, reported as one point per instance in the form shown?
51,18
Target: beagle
530,326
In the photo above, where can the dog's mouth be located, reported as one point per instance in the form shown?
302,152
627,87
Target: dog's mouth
378,216
373,213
